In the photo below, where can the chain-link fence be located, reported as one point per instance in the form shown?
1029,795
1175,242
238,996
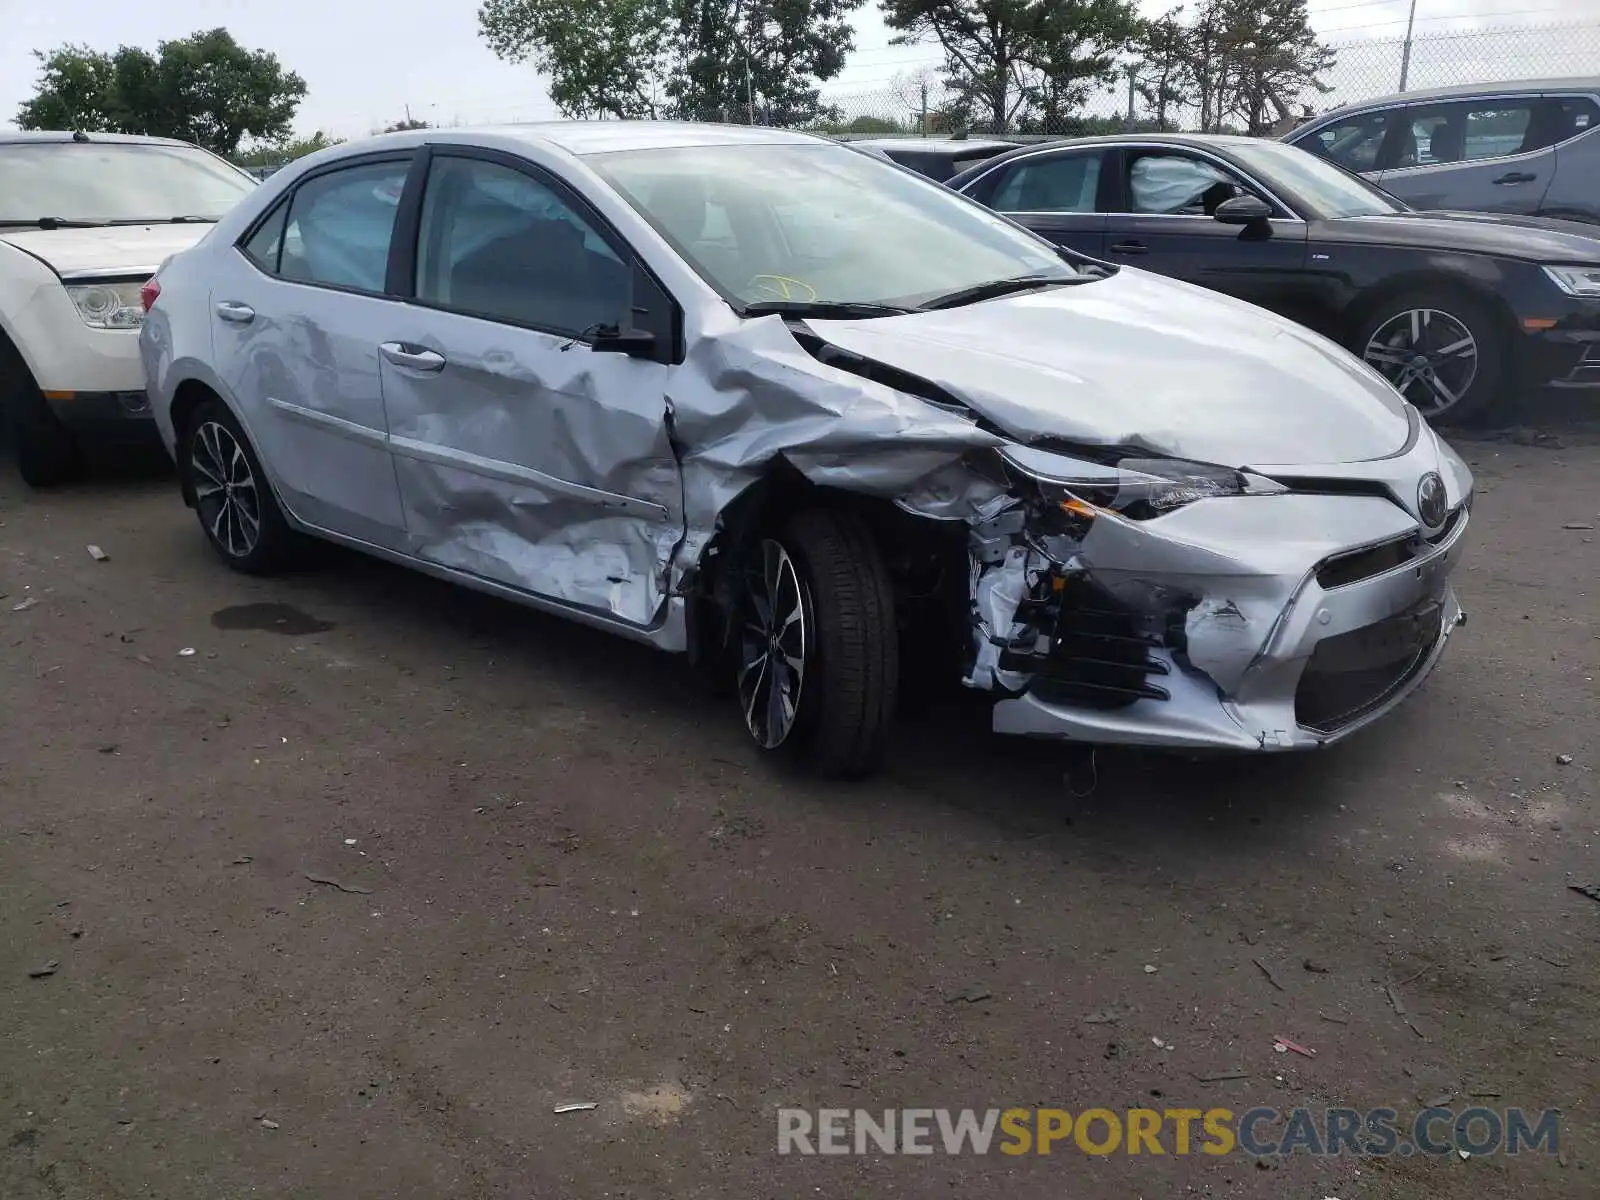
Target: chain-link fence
1362,69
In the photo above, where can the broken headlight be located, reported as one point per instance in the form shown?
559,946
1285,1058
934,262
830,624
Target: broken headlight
1141,488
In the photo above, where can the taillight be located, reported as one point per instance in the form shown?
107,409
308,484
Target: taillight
149,292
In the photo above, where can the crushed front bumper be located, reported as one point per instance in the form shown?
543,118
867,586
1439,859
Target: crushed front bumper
1268,653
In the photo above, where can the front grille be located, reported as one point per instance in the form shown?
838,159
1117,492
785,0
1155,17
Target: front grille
1351,674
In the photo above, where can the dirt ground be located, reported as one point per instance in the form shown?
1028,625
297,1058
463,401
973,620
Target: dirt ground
351,879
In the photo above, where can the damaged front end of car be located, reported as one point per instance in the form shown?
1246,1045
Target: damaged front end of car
1101,585
1125,598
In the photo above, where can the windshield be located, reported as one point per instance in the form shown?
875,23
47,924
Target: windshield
1328,191
821,224
114,181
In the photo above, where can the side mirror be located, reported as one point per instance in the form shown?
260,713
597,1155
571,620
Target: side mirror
635,343
1244,210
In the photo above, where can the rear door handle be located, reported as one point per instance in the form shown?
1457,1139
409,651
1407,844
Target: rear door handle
1517,177
1129,248
412,358
237,314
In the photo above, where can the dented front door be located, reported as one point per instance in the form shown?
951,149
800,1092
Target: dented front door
523,456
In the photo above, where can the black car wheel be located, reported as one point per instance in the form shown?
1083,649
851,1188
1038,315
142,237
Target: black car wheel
47,453
817,648
232,497
1443,351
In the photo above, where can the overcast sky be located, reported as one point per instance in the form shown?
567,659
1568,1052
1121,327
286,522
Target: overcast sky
366,60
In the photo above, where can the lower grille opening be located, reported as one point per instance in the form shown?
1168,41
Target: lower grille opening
1100,655
1352,674
1351,568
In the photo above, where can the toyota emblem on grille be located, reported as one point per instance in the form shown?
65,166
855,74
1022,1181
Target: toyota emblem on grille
1431,506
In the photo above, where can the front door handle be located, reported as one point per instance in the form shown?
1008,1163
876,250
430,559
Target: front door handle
236,314
412,358
1129,248
1517,177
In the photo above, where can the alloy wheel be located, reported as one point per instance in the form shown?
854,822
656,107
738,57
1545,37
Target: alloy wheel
1430,356
774,645
225,492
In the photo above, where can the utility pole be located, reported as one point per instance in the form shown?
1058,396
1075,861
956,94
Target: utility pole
1405,54
1133,78
922,120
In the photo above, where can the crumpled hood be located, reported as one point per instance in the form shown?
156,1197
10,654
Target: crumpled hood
1139,360
113,249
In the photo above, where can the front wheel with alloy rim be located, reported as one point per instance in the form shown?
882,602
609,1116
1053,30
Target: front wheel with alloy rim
1443,350
231,496
816,644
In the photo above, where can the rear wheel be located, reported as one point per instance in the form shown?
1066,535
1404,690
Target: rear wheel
817,649
232,497
47,453
1442,348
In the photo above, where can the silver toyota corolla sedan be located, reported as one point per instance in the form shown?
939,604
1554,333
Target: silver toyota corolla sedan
806,417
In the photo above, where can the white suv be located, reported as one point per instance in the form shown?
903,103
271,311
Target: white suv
85,220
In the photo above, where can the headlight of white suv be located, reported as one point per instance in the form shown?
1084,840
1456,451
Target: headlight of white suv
108,305
1576,281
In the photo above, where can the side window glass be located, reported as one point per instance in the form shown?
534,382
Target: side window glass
1177,185
1492,132
1353,144
266,243
1558,119
1465,132
340,225
1577,115
1062,184
499,244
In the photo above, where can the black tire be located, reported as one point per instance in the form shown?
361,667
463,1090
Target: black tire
1444,317
844,700
47,453
252,537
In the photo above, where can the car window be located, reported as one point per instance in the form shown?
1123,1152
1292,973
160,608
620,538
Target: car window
1353,143
1179,185
1315,186
130,182
340,224
1569,116
497,243
1063,183
816,222
266,243
1465,132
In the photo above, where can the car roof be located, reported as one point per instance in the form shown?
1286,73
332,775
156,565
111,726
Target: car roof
934,145
1466,91
1222,141
16,136
600,137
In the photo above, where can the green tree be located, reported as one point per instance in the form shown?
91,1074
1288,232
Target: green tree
205,88
1165,76
603,57
728,60
1274,58
1075,50
1243,63
1011,61
405,126
276,154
